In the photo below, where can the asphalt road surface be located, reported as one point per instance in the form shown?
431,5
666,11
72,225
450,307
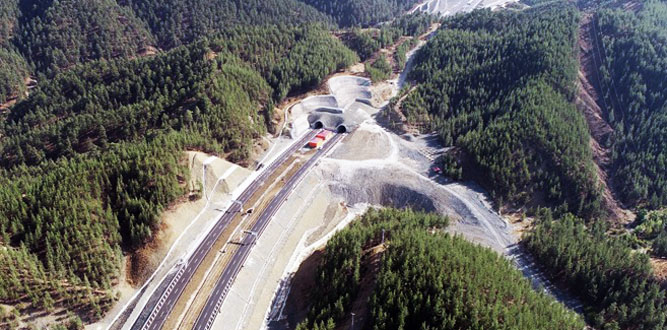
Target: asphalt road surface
208,314
163,299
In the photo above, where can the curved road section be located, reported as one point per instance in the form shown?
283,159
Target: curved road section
163,300
224,283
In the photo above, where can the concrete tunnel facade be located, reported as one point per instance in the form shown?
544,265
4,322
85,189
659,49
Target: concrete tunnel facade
338,122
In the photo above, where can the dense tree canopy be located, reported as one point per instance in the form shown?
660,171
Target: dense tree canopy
380,69
313,58
107,102
54,35
59,34
659,245
77,189
634,54
616,283
175,22
91,158
651,231
366,42
426,280
9,17
94,155
498,85
361,12
13,72
123,100
69,218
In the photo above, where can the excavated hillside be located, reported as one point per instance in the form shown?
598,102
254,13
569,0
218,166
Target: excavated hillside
594,107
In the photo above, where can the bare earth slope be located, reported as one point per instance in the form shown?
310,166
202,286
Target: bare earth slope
593,106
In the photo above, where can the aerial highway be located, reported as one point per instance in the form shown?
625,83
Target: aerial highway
164,298
214,302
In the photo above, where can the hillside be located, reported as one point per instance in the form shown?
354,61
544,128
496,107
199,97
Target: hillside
361,12
13,72
54,35
497,86
98,177
9,17
14,69
176,22
616,284
93,156
59,34
101,99
634,52
165,92
400,284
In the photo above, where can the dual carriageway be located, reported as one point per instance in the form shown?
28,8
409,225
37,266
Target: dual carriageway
162,301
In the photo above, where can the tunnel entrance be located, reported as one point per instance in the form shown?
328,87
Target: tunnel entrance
341,129
318,124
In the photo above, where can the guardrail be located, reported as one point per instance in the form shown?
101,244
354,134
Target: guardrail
163,298
245,195
245,251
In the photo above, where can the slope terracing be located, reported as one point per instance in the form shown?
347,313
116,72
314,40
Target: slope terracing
372,166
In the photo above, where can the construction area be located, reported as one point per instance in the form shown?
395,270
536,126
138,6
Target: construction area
232,265
453,7
372,167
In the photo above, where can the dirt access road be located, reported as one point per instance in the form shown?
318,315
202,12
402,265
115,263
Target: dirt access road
374,166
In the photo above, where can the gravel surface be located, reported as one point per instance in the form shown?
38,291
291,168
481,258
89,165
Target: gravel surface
452,7
371,167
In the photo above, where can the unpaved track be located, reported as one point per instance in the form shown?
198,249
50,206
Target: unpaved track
401,177
474,211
